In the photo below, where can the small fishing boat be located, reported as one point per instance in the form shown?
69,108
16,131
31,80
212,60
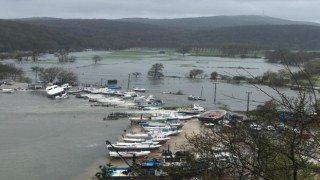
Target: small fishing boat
6,90
193,98
131,143
136,89
148,135
129,154
138,146
115,172
167,132
148,128
150,108
76,91
150,164
113,86
139,135
212,116
62,96
197,108
160,139
153,124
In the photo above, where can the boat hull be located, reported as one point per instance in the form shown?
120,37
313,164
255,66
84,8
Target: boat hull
212,116
129,154
134,148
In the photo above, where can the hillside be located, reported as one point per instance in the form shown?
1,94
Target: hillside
53,33
21,36
214,22
276,36
103,33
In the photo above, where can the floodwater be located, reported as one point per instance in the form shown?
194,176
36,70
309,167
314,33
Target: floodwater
57,139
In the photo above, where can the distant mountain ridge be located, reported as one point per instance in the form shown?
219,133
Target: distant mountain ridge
217,21
55,33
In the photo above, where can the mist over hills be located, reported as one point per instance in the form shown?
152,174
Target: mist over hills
54,33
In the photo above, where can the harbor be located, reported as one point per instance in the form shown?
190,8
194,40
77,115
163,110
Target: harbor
66,137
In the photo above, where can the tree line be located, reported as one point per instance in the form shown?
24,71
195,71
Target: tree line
285,56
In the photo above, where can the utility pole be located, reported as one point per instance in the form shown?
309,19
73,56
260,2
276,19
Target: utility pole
128,82
248,101
215,93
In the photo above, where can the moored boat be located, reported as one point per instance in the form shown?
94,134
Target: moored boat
129,153
212,116
6,90
160,139
54,90
131,143
193,98
136,89
137,146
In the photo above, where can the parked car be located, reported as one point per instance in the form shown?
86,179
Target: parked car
255,126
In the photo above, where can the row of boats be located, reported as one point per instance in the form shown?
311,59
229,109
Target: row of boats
56,90
157,131
141,144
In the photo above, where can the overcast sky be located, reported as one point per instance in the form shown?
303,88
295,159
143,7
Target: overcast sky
300,10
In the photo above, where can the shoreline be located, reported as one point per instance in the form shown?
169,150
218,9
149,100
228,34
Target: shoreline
176,143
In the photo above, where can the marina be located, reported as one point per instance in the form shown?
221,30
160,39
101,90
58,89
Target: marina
78,126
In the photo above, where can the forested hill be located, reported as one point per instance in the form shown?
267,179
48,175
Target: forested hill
53,33
22,36
213,22
275,36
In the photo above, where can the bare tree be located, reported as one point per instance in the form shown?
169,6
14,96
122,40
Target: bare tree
280,140
136,74
214,75
156,70
57,74
194,73
183,49
36,69
96,59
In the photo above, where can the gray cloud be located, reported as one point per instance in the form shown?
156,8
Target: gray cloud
112,9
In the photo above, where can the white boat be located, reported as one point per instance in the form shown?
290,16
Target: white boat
55,90
152,128
167,132
151,108
138,146
98,91
129,95
176,115
160,139
153,124
6,90
136,89
172,132
140,136
197,107
129,153
134,143
66,86
75,91
139,118
62,96
170,116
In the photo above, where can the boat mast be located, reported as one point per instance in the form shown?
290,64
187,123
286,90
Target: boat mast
201,92
128,82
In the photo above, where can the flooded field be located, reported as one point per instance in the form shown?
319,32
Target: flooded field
57,139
